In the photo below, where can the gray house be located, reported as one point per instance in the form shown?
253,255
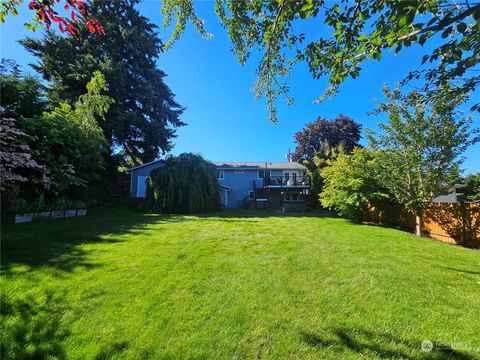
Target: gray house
281,185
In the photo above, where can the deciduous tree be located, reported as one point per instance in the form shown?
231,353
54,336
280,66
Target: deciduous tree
321,141
66,146
15,154
421,146
185,184
322,135
351,185
352,32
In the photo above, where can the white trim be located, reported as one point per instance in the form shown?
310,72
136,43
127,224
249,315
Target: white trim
222,173
146,164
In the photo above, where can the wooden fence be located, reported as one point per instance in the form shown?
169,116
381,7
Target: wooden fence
455,223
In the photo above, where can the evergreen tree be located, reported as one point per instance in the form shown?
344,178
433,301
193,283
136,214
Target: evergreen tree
142,121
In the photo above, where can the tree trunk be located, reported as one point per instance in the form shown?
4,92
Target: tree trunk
418,224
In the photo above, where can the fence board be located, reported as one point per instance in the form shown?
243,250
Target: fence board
455,223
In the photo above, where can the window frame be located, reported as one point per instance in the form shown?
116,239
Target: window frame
266,174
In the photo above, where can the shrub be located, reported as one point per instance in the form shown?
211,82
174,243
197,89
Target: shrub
351,186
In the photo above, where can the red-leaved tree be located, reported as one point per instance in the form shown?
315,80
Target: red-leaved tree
77,10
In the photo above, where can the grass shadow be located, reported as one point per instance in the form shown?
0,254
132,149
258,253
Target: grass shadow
383,345
472,272
57,243
31,327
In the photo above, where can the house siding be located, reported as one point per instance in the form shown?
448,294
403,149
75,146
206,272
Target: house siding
142,171
239,183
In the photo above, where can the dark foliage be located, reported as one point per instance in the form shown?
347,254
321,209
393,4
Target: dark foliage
471,191
322,134
21,95
15,155
143,119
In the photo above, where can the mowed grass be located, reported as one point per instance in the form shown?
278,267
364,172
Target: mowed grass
233,285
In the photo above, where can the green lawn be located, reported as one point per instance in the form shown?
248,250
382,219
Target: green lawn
233,285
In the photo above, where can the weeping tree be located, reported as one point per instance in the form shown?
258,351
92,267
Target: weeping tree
185,184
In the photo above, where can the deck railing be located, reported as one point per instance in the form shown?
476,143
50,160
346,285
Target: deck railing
287,181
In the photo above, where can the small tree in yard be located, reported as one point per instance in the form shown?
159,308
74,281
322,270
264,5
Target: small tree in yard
185,184
422,146
350,185
320,141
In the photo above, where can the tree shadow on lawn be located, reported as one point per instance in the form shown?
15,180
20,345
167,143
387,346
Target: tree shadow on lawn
31,327
57,243
383,345
471,272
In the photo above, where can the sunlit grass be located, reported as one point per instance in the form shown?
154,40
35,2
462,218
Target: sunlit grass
120,284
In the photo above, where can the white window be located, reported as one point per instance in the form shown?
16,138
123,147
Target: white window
251,195
238,171
220,174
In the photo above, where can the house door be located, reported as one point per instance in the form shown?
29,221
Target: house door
141,186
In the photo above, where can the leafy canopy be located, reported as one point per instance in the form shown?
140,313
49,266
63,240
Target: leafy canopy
352,32
185,184
351,185
421,145
320,142
15,156
322,134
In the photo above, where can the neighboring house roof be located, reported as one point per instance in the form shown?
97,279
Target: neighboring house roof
451,196
146,164
259,165
243,165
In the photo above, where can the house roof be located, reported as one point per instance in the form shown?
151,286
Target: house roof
260,165
243,165
146,164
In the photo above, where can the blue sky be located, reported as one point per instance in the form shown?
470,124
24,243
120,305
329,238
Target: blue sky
225,123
